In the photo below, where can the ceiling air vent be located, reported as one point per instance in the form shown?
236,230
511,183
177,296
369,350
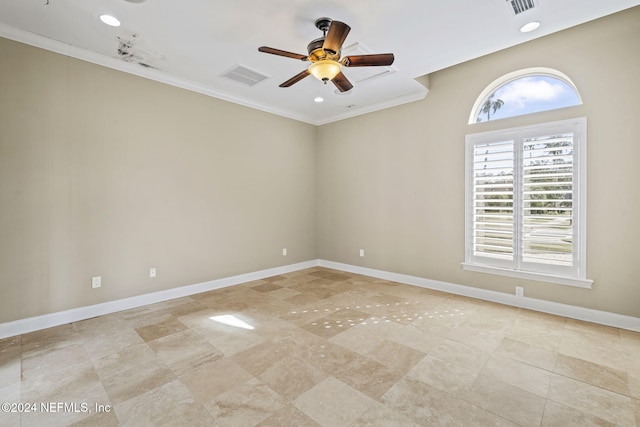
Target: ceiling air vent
520,6
246,76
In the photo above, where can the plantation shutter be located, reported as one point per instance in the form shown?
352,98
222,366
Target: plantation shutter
525,202
547,212
493,200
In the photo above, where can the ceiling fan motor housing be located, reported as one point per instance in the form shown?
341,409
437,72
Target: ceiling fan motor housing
317,53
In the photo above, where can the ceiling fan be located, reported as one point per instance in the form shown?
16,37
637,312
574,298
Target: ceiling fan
324,55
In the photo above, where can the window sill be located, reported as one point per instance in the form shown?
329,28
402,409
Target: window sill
540,277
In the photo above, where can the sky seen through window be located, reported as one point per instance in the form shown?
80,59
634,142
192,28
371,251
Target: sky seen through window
525,95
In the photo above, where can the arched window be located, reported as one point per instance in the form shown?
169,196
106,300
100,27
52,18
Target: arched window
523,92
526,186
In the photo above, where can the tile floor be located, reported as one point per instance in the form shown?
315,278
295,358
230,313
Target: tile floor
322,347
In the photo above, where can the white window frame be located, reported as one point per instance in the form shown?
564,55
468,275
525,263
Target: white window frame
540,272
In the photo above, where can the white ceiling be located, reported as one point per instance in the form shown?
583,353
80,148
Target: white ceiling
190,43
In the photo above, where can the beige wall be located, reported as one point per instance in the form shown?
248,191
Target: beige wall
104,173
392,182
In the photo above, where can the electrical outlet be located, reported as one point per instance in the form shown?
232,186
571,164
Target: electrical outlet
284,251
96,282
361,252
519,291
152,272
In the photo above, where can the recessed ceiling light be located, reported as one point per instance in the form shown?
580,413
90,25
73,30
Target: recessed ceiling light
110,20
530,26
318,99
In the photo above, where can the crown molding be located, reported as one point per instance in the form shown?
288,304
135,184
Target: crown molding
417,95
86,55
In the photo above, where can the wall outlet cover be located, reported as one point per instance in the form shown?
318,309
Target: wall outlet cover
96,282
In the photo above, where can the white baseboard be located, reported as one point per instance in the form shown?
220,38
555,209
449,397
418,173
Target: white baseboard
31,324
44,321
570,311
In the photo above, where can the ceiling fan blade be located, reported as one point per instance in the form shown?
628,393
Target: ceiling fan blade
279,52
368,60
295,79
335,37
342,83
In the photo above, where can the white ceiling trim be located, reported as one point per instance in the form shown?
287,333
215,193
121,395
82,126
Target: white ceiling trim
130,68
393,102
41,42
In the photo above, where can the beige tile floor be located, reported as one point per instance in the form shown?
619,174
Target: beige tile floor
322,347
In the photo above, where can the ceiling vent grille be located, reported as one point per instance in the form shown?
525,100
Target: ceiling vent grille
244,75
520,6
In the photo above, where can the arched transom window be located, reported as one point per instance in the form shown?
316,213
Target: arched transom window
524,92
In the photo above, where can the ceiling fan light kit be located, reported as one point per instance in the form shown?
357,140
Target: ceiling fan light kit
324,55
325,70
